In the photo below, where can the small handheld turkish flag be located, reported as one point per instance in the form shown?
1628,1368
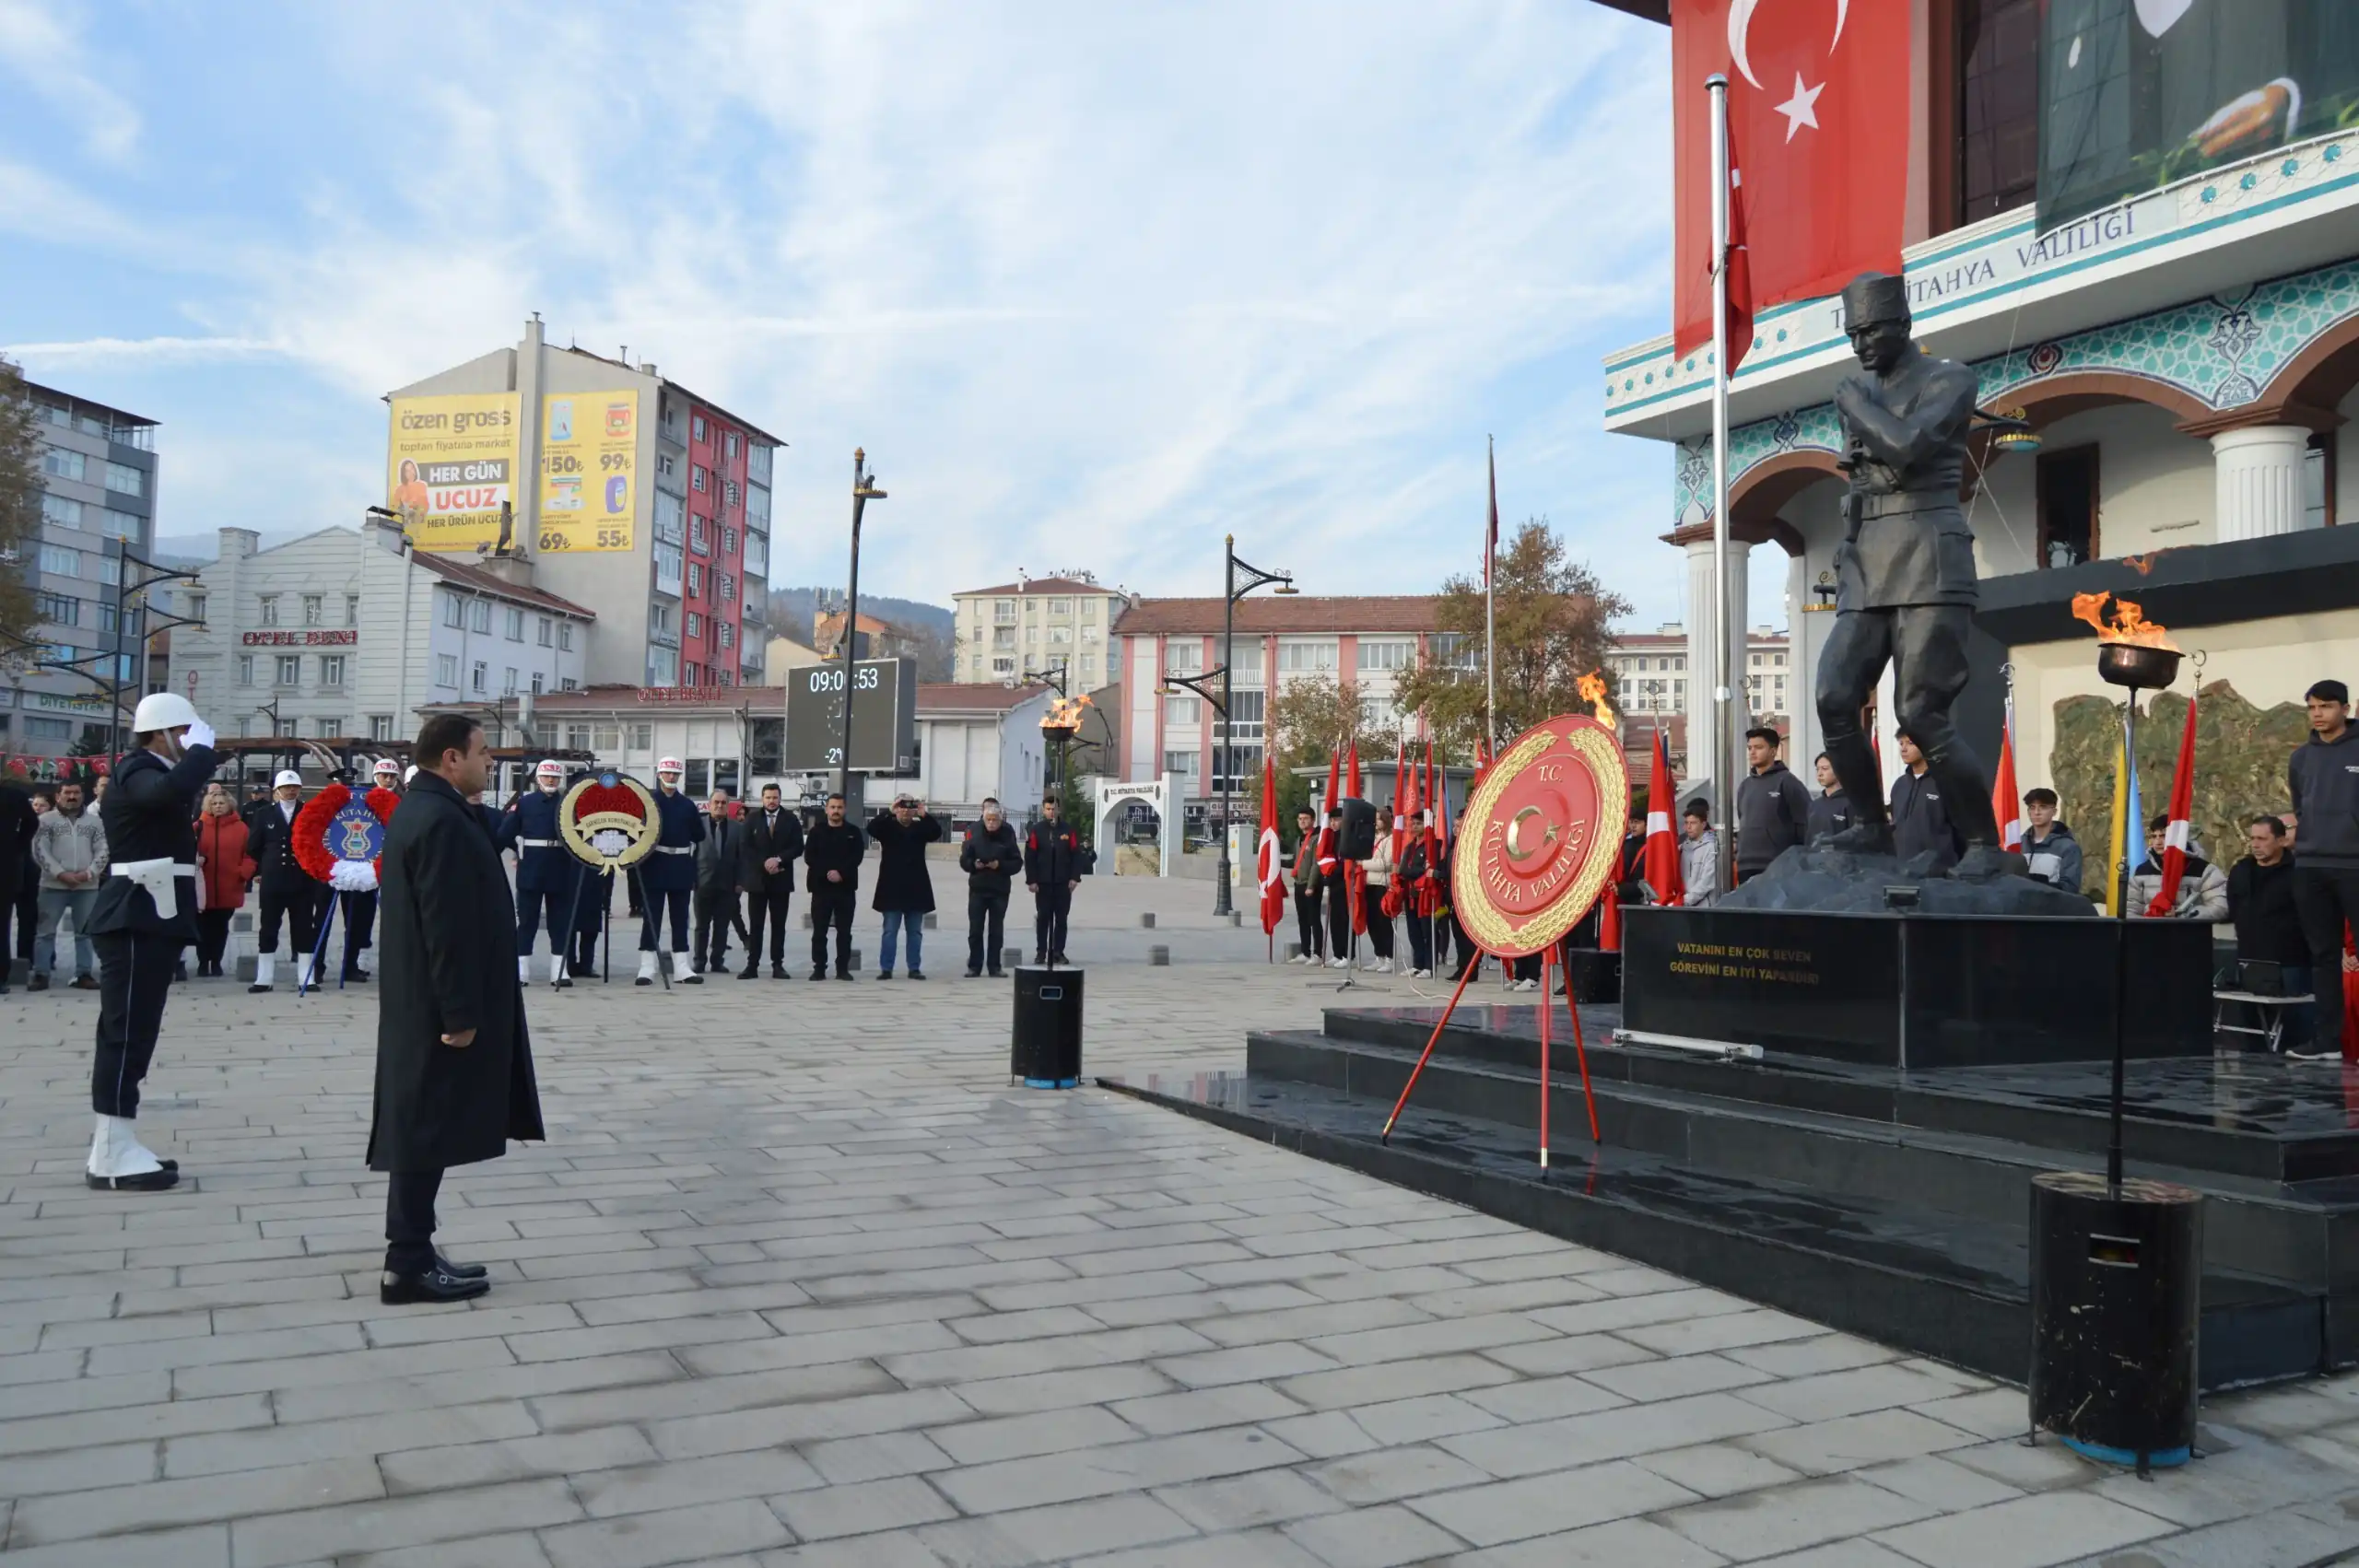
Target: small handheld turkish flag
1818,147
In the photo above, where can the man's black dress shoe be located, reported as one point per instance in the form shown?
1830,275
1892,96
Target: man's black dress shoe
438,1284
462,1270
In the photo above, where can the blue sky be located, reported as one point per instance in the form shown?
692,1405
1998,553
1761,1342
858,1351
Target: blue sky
1093,283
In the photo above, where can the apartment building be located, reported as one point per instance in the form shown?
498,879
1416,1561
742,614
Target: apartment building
1035,623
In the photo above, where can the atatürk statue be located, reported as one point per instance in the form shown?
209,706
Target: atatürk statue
1904,573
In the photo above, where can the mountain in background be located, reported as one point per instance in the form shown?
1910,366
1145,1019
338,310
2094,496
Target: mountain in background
203,549
791,610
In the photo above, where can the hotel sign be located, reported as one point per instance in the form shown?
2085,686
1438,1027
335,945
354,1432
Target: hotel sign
314,639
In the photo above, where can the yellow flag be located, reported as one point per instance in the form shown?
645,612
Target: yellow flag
2122,826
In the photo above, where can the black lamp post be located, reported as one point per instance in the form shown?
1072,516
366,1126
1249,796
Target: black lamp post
1224,756
864,490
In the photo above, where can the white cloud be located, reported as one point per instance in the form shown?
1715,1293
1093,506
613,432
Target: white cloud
1092,284
49,61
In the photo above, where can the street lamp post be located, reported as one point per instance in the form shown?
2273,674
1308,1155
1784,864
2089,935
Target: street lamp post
1224,756
864,490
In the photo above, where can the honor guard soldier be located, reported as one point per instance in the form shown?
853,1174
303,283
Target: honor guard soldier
146,912
547,876
288,892
668,877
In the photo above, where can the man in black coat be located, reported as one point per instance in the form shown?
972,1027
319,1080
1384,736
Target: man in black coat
288,892
904,893
145,913
831,857
991,856
17,823
1051,869
454,1062
1772,807
772,842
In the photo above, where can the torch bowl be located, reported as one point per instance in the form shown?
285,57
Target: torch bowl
2137,665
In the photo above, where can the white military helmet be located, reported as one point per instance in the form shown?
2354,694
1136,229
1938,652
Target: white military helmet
410,777
385,765
286,775
549,769
162,710
669,765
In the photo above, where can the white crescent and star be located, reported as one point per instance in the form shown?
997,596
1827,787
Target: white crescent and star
1802,108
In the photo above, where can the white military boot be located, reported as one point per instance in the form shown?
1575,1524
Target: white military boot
120,1162
684,972
646,968
265,965
524,969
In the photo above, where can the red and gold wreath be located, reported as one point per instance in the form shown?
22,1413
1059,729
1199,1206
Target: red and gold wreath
312,826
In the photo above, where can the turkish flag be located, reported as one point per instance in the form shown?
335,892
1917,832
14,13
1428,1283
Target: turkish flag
1662,853
1818,147
2181,827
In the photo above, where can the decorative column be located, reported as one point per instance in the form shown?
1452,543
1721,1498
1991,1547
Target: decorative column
1805,630
1702,602
2256,472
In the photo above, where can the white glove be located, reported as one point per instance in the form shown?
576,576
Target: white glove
198,734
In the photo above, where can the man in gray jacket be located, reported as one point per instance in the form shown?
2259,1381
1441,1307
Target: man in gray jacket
70,847
2324,779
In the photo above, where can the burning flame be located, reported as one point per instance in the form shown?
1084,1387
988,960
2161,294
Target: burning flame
1065,712
2118,620
1592,689
2142,565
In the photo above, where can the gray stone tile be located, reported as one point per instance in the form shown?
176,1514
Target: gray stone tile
1551,1503
1246,1502
206,1547
1717,1470
1024,1437
1369,1538
278,1541
1161,1415
1385,1475
1060,1533
861,1507
1127,1466
2029,1532
1421,1420
1827,1446
644,1540
1617,1433
121,1510
1764,1523
1261,1547
886,1454
1855,1391
1622,1543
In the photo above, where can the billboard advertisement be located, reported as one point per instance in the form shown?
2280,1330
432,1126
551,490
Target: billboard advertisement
2139,94
589,478
450,466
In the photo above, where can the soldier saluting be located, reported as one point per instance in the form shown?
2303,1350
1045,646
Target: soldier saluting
1905,576
146,912
547,876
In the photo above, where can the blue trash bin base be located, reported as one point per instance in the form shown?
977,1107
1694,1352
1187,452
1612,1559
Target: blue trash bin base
1053,1083
2169,1458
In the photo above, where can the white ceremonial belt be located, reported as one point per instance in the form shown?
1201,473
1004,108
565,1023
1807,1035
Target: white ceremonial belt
676,848
537,843
160,878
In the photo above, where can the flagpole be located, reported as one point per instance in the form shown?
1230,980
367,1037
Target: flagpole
1491,607
1723,761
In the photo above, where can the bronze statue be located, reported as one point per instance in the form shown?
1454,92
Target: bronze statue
1904,573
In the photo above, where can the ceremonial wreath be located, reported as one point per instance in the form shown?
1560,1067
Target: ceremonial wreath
340,837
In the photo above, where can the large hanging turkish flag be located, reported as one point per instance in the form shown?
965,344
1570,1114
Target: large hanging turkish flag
1818,143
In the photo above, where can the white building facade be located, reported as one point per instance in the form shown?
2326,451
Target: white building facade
346,634
1035,623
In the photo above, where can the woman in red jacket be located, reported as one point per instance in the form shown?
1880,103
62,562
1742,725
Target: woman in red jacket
223,868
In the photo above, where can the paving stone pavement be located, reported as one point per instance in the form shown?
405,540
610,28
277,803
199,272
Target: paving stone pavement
799,1280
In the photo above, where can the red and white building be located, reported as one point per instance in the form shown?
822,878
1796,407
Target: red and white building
1367,640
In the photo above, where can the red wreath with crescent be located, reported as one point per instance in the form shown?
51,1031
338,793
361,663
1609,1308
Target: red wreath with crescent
1539,836
311,828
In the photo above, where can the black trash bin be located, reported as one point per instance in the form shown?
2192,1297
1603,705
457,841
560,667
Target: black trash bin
2117,1284
1047,1053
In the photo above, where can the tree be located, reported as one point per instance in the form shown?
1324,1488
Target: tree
1554,622
20,491
1308,721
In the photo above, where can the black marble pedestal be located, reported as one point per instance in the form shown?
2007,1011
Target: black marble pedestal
1914,991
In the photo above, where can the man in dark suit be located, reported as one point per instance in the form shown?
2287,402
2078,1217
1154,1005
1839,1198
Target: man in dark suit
1051,869
717,856
145,913
454,1062
17,823
772,838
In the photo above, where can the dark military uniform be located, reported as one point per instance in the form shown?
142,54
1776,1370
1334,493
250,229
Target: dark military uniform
668,877
1905,576
149,814
1051,865
288,892
546,875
